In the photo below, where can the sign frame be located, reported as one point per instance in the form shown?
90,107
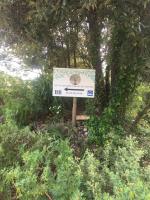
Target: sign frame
73,82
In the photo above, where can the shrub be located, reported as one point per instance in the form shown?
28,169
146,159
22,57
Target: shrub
101,127
118,176
43,175
41,166
31,100
35,166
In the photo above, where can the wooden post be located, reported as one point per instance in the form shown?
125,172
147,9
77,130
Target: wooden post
74,111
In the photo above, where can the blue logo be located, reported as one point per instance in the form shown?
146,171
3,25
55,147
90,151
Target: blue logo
90,93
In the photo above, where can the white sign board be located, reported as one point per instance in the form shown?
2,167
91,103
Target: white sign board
68,82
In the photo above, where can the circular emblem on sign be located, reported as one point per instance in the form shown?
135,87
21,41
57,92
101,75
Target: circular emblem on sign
75,79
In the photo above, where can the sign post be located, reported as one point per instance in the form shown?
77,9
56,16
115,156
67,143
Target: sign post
69,82
74,111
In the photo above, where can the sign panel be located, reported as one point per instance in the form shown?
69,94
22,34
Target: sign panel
68,82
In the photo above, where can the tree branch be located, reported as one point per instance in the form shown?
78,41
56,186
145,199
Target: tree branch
48,196
139,116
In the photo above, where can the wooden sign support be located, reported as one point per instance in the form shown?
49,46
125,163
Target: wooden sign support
74,111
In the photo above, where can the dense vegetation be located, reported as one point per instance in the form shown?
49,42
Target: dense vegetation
42,157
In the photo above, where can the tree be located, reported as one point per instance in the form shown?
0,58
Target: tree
72,34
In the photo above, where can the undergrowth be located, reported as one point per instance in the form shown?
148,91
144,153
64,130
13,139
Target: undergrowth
40,166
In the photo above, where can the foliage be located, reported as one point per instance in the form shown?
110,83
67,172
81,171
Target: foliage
99,128
46,168
126,174
84,34
31,183
127,56
90,107
139,100
111,37
27,101
44,165
6,84
119,175
91,180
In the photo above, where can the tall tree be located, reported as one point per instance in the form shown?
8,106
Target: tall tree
71,34
127,55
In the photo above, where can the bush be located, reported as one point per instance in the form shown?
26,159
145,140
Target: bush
39,166
118,176
101,127
36,165
42,174
32,100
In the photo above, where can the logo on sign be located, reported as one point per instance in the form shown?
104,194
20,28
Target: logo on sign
90,93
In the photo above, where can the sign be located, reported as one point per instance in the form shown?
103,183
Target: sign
68,82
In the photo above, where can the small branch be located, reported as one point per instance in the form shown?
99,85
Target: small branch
139,116
48,196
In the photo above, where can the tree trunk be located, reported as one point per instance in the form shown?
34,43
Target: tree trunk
74,57
95,28
107,84
115,58
118,91
68,54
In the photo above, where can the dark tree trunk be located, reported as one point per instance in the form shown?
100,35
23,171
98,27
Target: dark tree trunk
74,58
95,28
107,84
117,93
68,54
115,59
